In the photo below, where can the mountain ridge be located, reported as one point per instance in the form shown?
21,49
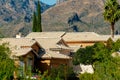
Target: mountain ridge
71,15
16,16
90,15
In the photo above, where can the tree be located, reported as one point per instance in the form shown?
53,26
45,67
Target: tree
100,56
84,55
34,23
117,45
63,72
109,44
101,53
6,64
39,28
112,13
37,20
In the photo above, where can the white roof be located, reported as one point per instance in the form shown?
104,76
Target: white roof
45,35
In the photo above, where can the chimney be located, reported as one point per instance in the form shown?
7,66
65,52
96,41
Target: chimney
18,35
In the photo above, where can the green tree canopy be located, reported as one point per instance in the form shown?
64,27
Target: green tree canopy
37,19
39,27
6,64
100,56
112,13
83,55
34,28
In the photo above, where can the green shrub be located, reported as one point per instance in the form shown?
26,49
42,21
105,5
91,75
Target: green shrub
6,64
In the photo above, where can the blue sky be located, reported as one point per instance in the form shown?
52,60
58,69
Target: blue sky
50,2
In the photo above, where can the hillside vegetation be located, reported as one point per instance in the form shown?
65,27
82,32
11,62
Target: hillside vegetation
70,15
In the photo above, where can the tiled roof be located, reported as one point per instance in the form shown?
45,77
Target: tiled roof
16,44
83,36
51,54
116,37
21,52
45,35
48,43
87,36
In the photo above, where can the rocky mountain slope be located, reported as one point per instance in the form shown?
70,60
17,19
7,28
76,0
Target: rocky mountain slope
16,15
69,15
77,15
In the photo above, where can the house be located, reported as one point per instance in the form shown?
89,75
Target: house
77,40
32,54
56,53
53,37
44,50
50,35
57,45
23,51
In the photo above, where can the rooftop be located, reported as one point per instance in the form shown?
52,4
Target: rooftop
18,42
21,52
86,36
45,35
52,54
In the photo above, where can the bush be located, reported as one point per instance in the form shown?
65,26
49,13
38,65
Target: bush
6,64
83,55
62,72
106,67
87,76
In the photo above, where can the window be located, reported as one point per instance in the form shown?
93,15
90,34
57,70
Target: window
41,51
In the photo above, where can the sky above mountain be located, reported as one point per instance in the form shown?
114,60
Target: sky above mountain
50,2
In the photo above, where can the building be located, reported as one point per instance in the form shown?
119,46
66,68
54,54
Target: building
31,54
44,50
54,53
23,51
57,51
78,40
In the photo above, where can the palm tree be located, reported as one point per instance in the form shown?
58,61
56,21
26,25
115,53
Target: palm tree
112,13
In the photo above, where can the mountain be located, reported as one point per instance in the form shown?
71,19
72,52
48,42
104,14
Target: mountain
66,15
77,15
16,16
